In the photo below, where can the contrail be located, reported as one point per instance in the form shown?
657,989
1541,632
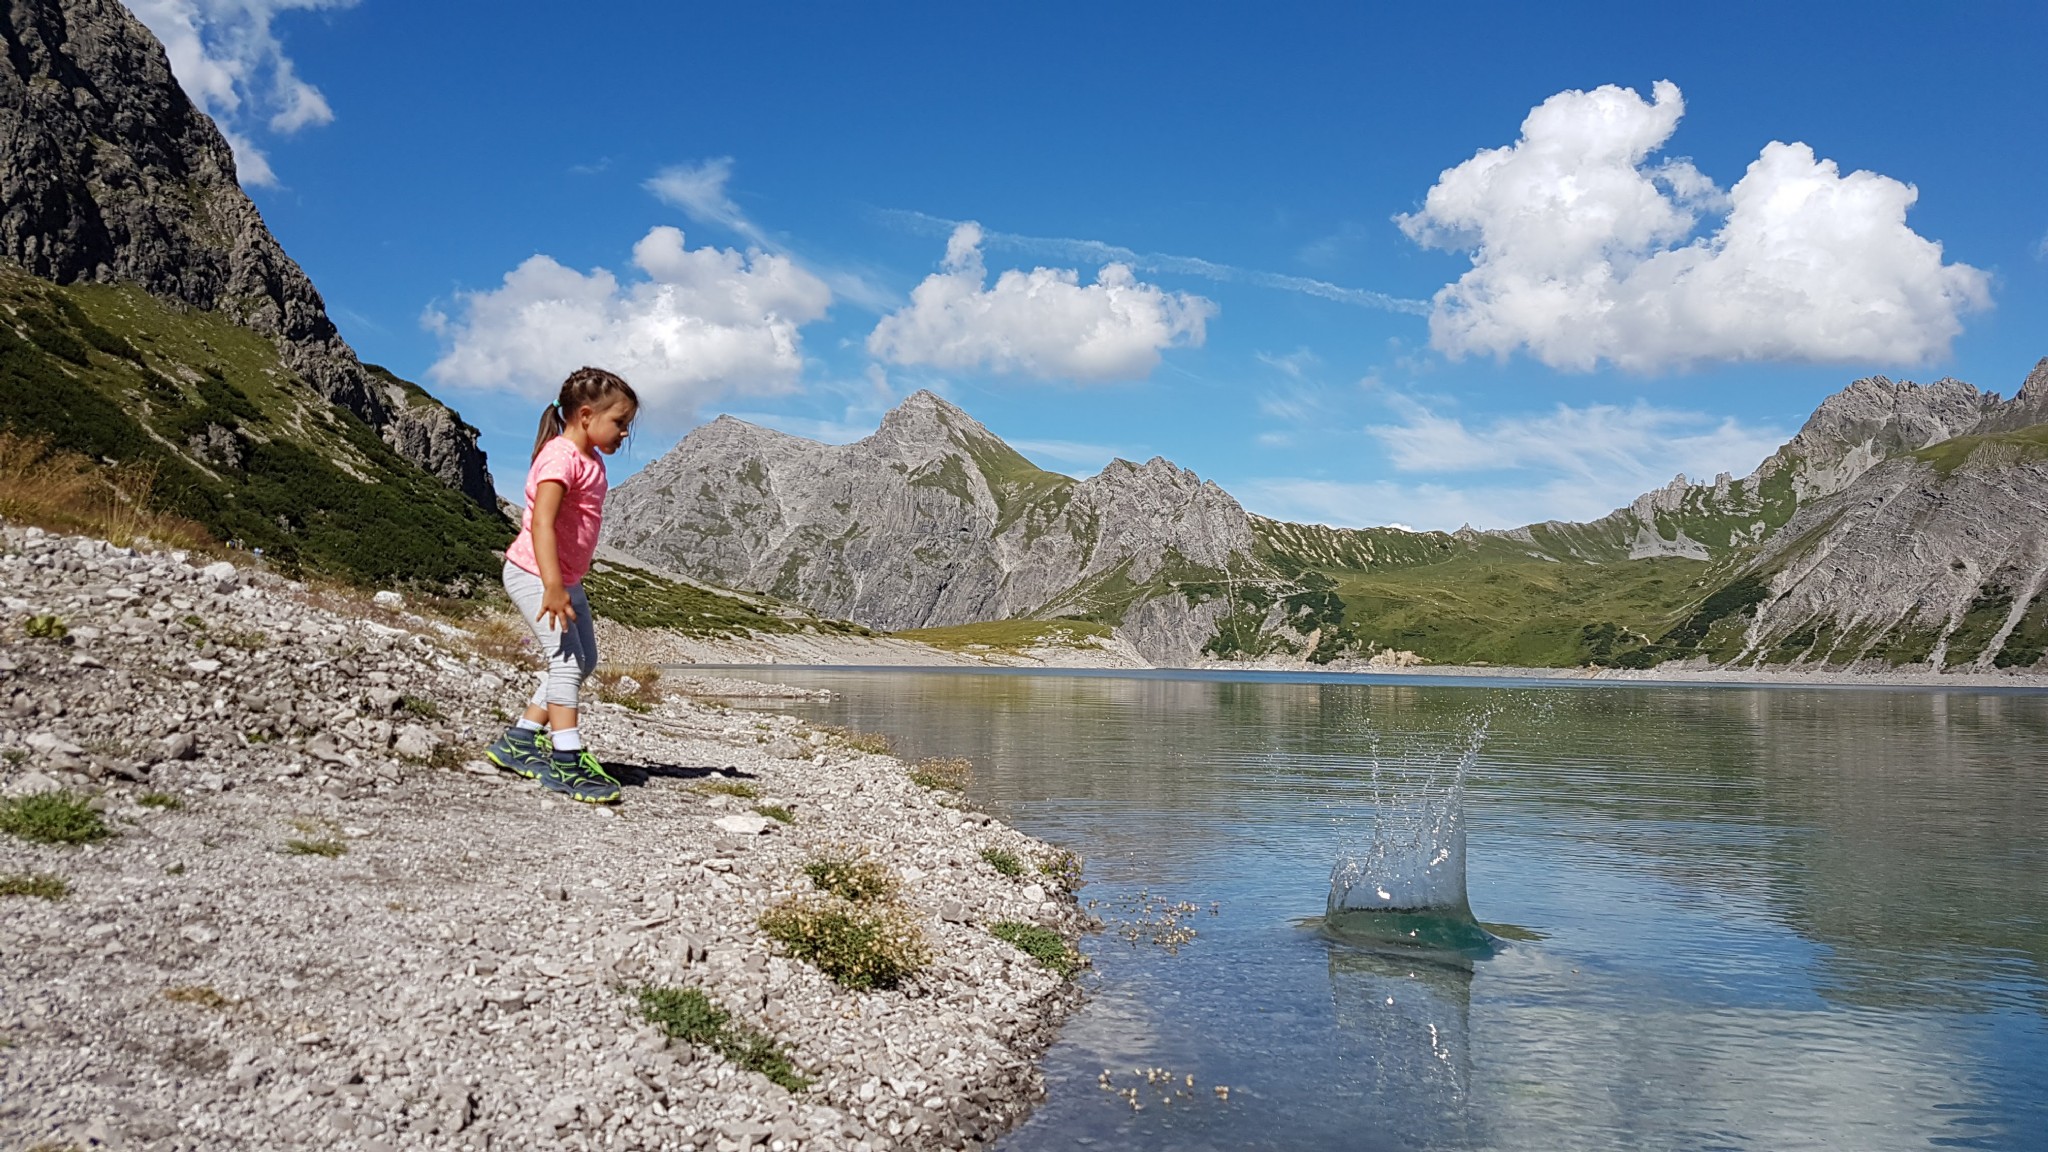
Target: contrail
1095,251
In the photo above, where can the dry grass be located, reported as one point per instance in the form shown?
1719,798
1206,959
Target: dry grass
505,639
859,946
637,686
870,742
943,774
70,492
198,994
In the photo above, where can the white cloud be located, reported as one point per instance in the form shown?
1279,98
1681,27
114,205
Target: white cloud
1565,464
233,66
699,190
706,322
1043,323
1097,251
1584,251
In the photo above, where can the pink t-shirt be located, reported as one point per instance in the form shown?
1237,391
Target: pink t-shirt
582,474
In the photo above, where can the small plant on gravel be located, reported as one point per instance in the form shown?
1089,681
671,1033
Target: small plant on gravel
325,846
197,994
502,639
14,756
943,774
860,947
738,788
420,706
164,800
871,742
853,878
776,812
316,838
687,1014
249,641
46,628
52,818
36,884
1041,944
634,686
445,757
1063,869
1004,862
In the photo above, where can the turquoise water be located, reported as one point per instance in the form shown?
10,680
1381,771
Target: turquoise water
1731,918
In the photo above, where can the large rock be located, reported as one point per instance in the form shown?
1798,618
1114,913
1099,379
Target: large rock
108,173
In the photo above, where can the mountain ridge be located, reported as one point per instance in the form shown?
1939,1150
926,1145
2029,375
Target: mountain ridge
966,529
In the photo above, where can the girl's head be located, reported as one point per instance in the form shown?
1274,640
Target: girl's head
594,401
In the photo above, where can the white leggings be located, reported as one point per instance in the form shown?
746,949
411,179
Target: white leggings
571,652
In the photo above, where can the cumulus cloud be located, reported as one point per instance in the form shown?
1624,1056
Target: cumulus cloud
1586,251
703,323
1043,323
232,65
1570,463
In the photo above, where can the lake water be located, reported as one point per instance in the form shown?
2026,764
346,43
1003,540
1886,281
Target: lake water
1748,919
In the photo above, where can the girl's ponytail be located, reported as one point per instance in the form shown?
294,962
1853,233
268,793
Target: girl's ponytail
583,388
551,425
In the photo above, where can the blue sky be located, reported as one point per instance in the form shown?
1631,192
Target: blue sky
1322,296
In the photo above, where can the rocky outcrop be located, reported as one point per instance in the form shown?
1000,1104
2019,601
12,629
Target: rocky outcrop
934,521
108,173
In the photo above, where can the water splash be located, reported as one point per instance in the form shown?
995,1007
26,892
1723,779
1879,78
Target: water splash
1406,883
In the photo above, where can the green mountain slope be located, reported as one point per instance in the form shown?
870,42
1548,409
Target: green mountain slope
241,444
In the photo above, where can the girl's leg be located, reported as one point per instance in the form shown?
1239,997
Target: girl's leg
578,659
518,750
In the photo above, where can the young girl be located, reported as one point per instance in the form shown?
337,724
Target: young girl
544,571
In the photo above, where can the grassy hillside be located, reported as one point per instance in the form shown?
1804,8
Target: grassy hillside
237,443
639,598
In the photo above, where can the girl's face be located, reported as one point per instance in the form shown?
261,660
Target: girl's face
608,424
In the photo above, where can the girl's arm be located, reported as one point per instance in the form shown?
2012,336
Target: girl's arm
555,609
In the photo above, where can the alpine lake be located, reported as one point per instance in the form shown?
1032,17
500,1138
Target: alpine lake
1714,917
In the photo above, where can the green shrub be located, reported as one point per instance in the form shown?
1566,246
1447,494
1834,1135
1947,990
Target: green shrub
163,800
46,628
943,774
776,812
36,884
1041,944
860,947
52,818
687,1014
420,706
851,878
1002,861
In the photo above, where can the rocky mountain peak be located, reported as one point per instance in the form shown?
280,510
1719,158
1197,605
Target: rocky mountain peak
925,427
1892,416
108,174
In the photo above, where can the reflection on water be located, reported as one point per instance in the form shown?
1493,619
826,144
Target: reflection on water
1756,919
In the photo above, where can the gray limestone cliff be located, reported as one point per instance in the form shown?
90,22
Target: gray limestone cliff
108,173
933,521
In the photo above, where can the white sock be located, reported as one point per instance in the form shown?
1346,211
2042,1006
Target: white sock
526,725
568,740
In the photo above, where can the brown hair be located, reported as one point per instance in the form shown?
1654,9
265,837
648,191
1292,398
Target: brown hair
585,388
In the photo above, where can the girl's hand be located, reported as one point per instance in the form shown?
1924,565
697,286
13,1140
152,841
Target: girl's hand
555,609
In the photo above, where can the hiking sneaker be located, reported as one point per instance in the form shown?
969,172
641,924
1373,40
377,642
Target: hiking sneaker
582,779
520,752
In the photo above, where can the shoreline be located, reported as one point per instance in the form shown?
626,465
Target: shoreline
764,654
322,922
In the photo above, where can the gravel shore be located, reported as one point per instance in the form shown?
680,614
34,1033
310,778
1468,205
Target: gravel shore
321,922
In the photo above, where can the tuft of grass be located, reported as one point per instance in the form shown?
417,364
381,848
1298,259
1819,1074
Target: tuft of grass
737,788
37,884
52,818
197,994
46,628
776,812
1063,869
943,774
687,1014
1002,861
871,742
164,800
635,686
1041,944
860,947
852,878
420,706
325,846
502,639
